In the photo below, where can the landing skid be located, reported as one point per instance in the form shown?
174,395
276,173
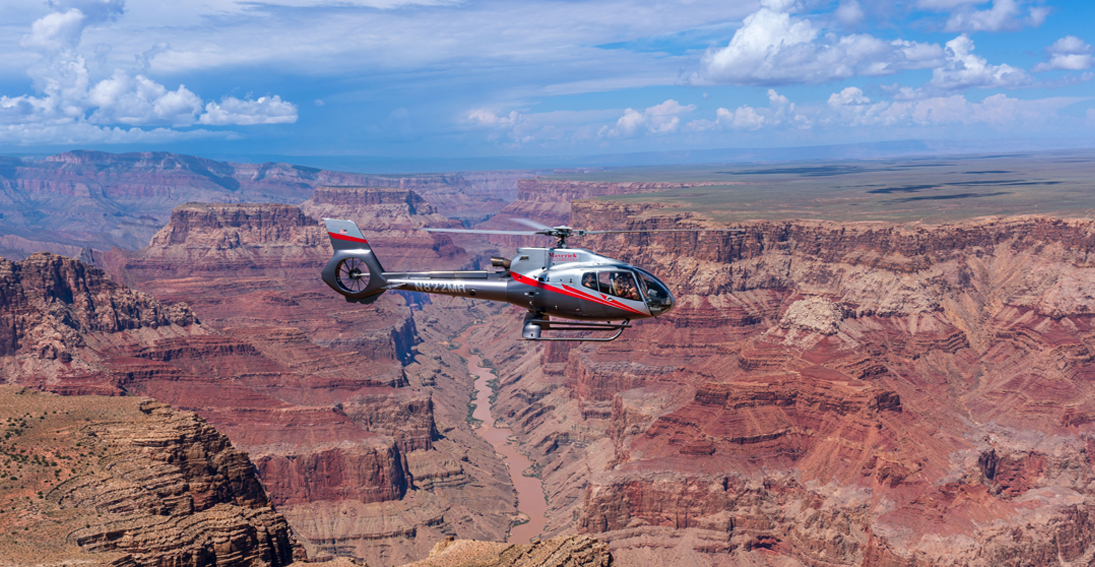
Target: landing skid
537,322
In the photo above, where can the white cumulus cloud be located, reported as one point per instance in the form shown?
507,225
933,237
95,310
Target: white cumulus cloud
67,108
774,47
56,31
964,70
850,107
97,11
1004,15
658,119
139,100
484,117
1069,53
545,129
264,110
780,111
849,12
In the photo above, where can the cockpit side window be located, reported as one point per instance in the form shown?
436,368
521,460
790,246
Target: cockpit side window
620,283
589,279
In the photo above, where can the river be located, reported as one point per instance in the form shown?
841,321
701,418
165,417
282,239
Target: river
530,492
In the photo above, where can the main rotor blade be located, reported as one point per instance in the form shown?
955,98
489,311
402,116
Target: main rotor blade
664,230
470,231
531,223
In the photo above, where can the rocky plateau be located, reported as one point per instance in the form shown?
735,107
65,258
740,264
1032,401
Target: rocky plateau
92,480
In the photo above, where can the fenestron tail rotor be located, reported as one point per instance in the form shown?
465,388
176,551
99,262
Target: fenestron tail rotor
352,275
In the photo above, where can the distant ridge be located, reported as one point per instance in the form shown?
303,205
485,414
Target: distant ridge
90,199
859,150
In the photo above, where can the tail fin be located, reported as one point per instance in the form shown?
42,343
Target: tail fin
354,270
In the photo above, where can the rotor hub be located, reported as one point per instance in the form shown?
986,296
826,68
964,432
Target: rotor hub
561,233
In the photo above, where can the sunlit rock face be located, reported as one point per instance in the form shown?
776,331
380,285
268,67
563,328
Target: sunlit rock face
392,220
825,393
548,201
129,481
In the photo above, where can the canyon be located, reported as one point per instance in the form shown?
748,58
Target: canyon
354,419
824,393
84,199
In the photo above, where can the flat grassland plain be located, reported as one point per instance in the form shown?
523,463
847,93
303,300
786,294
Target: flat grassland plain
933,190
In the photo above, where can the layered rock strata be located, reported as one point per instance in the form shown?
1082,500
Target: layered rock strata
56,313
81,199
567,551
393,220
354,417
209,240
548,202
126,481
292,405
827,394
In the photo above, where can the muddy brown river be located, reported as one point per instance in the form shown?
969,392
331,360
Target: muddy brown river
530,493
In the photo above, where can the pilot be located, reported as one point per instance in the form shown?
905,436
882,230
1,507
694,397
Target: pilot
624,286
589,279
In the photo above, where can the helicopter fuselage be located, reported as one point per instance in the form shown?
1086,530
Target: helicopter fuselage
571,283
568,283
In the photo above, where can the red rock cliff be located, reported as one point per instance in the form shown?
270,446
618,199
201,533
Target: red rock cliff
129,482
247,240
829,394
392,219
355,422
271,390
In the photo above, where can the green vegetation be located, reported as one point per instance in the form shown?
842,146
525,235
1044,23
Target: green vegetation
930,190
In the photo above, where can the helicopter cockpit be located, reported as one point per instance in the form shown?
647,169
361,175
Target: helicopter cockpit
658,298
626,283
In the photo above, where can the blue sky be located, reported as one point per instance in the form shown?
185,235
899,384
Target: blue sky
466,79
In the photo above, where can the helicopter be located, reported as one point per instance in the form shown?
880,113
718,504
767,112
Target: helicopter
587,291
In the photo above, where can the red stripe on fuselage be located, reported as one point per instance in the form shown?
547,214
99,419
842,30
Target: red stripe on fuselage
610,303
565,290
347,237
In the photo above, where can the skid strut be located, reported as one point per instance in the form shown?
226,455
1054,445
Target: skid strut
537,322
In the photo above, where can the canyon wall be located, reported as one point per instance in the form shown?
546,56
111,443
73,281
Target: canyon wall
823,393
548,202
392,221
126,481
356,423
85,199
826,394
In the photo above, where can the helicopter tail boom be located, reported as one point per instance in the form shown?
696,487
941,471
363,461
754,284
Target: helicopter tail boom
353,271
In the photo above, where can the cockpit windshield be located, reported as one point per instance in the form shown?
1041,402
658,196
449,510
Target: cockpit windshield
658,297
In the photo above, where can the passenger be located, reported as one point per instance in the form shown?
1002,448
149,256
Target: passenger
623,285
589,279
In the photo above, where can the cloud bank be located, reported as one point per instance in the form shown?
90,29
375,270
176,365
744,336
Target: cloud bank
1069,53
774,47
68,107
